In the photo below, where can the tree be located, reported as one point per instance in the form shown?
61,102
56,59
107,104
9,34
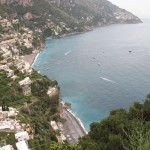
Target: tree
138,137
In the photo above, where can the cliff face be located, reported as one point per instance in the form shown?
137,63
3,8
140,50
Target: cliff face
96,11
60,17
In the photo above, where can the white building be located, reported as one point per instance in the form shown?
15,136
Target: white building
10,73
7,147
7,55
51,91
21,136
11,112
25,84
25,81
7,126
54,125
15,21
21,145
4,67
27,68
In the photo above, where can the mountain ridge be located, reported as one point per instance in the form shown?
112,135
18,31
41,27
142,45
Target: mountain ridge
68,16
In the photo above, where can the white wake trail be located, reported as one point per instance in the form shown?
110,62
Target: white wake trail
108,80
67,53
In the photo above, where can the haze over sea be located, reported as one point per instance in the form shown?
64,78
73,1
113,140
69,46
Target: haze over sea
96,71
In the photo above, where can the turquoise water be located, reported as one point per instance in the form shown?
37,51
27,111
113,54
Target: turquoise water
96,71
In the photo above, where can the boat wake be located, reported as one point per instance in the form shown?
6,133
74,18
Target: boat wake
67,53
108,80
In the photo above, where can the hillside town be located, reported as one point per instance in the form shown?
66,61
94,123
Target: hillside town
13,46
9,125
10,58
22,132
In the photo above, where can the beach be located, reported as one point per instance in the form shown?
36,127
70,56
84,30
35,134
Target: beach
32,57
72,127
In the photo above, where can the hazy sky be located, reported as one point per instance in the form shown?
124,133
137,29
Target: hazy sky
141,8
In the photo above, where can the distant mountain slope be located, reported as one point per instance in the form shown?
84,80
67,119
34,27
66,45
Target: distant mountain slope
95,11
60,17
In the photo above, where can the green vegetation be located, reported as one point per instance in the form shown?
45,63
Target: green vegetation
5,10
42,109
24,50
7,138
52,146
5,90
37,109
121,130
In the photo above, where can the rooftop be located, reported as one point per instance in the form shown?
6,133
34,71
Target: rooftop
21,145
22,134
7,147
26,81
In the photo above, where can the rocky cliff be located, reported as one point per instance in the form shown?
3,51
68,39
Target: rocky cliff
95,11
59,17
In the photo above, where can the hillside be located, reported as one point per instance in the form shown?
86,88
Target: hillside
55,17
121,130
24,26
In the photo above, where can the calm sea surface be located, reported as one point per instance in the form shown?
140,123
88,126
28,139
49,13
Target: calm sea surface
96,71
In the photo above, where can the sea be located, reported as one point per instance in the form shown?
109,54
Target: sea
101,70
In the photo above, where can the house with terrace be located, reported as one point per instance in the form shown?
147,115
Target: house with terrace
25,85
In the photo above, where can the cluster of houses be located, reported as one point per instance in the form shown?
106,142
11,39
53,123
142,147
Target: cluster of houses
5,22
58,127
21,142
11,125
9,53
7,124
9,50
19,63
10,61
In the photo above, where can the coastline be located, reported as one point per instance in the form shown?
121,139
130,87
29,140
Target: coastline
35,58
32,57
78,120
78,128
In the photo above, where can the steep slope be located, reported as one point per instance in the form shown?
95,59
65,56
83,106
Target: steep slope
95,11
59,17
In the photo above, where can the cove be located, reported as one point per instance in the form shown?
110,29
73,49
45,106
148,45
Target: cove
99,71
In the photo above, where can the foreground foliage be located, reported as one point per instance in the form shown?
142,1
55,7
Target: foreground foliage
121,130
37,110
